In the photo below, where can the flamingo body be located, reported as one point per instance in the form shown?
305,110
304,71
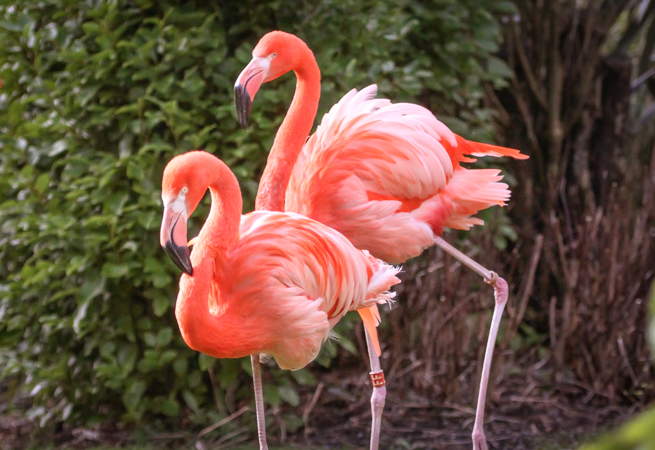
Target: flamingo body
388,176
273,283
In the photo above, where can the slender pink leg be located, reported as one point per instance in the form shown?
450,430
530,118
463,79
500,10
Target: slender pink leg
259,401
379,392
501,292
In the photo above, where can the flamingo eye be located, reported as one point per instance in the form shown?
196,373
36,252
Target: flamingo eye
273,55
184,190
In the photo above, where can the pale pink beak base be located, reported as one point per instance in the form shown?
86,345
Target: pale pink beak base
247,85
252,77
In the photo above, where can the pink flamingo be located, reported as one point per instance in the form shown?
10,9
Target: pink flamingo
387,176
266,283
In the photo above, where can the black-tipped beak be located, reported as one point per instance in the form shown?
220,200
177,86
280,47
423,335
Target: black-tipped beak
180,256
243,104
172,238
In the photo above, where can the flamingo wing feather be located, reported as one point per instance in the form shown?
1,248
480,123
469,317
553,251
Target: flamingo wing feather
388,176
312,275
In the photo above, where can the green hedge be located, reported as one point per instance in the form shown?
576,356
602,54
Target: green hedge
96,97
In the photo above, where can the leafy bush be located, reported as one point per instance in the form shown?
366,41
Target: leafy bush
96,97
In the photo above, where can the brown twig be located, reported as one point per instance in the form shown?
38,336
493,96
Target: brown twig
619,341
527,290
310,407
230,436
222,422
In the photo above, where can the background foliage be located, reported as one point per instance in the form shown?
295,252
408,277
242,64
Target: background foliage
96,97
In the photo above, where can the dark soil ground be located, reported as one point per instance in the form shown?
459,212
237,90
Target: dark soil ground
531,416
523,417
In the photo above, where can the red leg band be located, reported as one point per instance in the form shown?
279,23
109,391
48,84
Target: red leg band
377,379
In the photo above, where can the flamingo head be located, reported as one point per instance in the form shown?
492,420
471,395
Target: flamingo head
183,187
276,54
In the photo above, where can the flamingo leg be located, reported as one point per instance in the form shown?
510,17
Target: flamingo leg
501,292
259,401
379,392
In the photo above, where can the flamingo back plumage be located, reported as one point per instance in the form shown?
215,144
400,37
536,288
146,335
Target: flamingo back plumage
388,176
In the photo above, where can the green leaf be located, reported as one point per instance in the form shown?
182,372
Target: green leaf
92,287
164,336
134,390
289,395
303,377
246,365
58,147
127,358
167,356
347,344
111,270
194,379
205,361
150,339
191,401
181,366
42,183
75,263
505,7
80,315
498,67
134,172
91,28
170,407
272,395
10,26
115,203
160,305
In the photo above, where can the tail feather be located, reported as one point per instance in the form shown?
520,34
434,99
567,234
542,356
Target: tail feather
472,190
481,149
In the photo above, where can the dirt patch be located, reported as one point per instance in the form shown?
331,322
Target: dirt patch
532,416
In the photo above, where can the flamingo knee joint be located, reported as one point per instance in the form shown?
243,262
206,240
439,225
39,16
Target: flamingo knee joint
493,280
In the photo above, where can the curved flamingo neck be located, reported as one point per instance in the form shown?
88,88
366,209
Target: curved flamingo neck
221,229
293,132
199,304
